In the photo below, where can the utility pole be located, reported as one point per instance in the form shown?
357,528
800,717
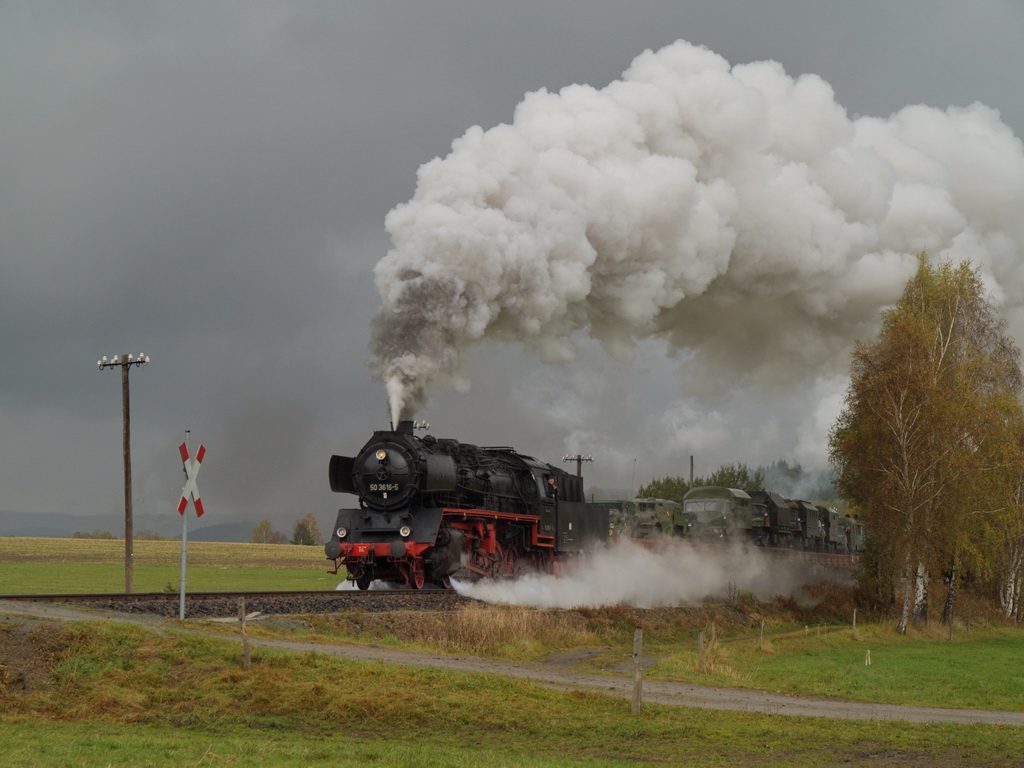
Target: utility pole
579,459
125,363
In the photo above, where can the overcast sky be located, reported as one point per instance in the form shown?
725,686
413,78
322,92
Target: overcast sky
207,183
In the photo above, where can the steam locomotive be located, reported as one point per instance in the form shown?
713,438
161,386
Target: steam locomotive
428,507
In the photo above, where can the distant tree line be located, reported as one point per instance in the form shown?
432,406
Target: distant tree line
264,533
94,534
791,480
137,535
306,531
675,487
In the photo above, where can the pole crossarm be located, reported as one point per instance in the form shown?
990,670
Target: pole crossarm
579,459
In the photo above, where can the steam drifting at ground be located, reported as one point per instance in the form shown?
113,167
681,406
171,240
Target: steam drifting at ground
625,573
736,212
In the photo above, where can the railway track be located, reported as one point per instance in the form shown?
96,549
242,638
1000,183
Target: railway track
220,604
77,597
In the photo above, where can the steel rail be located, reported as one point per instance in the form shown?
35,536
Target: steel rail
174,596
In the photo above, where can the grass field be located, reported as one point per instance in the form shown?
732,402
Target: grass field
124,695
975,670
979,669
49,566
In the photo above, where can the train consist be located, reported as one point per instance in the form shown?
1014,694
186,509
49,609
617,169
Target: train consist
762,517
428,507
646,518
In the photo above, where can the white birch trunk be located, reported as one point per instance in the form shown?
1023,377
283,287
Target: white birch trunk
920,592
1009,593
901,626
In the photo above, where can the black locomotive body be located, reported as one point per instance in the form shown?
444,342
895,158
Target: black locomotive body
430,506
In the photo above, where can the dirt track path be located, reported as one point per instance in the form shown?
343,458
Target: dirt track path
662,692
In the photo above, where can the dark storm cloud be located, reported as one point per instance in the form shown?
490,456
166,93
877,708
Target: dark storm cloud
207,183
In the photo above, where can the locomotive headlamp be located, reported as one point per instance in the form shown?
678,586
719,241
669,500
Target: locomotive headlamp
381,454
405,531
342,533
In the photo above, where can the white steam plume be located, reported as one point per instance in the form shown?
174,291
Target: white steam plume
625,573
735,211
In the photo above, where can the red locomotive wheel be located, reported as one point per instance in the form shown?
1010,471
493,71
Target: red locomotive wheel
512,564
417,576
498,563
506,563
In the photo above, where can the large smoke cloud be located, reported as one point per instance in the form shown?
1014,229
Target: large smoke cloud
737,212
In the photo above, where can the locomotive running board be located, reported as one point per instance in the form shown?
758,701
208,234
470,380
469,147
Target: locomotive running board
491,513
541,541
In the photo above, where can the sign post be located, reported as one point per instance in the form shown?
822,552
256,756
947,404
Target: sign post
190,490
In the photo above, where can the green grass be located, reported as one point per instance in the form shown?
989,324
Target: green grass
123,695
980,669
657,738
35,578
34,744
48,566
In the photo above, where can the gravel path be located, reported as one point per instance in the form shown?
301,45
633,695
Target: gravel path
662,692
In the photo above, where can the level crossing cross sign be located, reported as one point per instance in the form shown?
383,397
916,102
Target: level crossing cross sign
191,472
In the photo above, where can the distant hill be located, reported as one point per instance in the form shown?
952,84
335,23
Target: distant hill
235,532
63,524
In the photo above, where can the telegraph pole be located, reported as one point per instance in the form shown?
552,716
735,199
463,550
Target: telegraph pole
125,363
579,459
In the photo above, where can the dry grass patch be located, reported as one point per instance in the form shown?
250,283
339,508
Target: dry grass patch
516,633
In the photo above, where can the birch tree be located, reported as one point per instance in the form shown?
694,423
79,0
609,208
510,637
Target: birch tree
1000,547
915,437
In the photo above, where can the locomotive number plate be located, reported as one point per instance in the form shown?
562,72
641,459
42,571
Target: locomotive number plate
383,487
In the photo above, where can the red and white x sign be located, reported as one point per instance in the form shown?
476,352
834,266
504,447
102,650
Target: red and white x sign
191,472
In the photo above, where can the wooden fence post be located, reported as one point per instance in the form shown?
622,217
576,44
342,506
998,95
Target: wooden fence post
854,623
700,651
638,670
245,637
